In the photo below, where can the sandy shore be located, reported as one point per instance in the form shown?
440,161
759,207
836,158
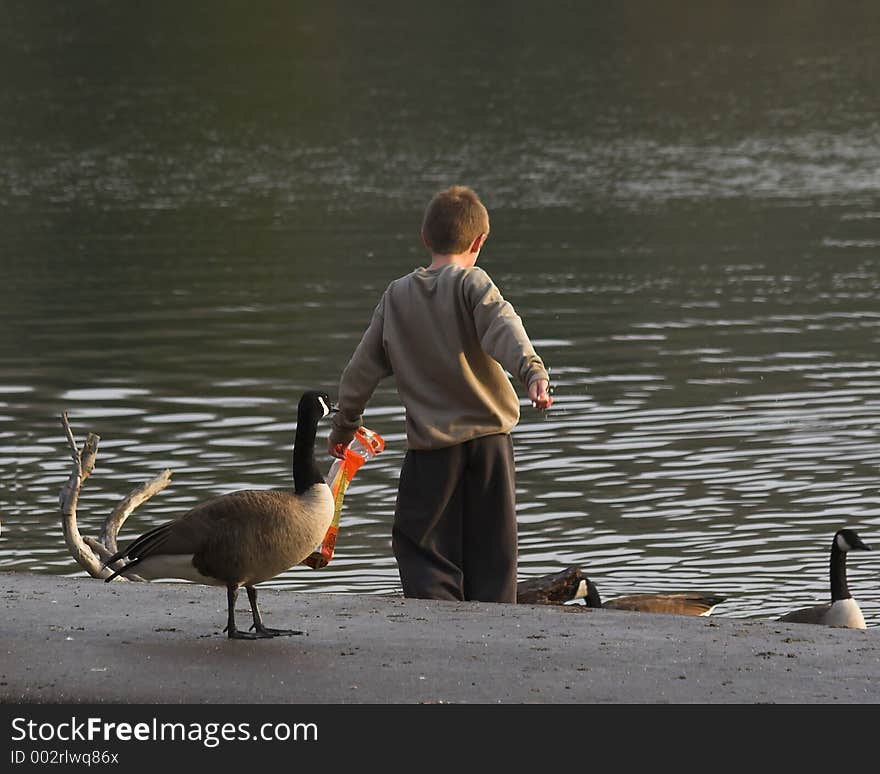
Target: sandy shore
70,640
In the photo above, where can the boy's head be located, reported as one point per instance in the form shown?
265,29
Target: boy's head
454,220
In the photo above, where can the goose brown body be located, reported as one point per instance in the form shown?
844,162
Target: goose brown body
243,537
677,603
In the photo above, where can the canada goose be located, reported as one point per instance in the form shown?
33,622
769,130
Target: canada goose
572,585
842,610
244,537
677,602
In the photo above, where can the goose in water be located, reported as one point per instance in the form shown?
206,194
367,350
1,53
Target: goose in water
677,602
572,585
842,610
244,537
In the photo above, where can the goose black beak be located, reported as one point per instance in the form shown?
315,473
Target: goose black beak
860,544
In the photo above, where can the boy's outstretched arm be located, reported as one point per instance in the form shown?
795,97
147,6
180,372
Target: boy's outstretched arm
504,338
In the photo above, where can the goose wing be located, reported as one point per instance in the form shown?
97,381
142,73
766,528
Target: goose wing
813,614
203,524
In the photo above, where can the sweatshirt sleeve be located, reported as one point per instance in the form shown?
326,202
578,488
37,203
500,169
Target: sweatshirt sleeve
367,367
501,331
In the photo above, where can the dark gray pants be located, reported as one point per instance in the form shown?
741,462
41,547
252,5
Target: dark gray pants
454,534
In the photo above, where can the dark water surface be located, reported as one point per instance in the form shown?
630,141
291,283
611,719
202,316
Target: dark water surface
198,213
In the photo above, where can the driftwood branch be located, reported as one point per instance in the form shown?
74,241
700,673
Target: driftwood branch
90,553
125,508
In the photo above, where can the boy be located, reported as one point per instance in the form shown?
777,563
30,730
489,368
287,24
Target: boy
447,335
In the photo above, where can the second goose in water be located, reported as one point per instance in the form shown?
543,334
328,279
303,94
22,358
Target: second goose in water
676,602
244,537
572,585
842,610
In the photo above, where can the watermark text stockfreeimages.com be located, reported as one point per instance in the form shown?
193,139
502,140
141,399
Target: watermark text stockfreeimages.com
210,734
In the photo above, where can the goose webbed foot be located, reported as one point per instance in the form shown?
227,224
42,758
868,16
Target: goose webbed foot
238,634
265,631
232,631
261,630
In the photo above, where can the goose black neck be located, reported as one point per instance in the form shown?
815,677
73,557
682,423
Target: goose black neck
593,598
305,469
839,589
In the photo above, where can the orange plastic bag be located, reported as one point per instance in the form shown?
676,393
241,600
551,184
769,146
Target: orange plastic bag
365,445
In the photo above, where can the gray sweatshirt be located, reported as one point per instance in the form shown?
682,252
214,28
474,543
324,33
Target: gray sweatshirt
447,336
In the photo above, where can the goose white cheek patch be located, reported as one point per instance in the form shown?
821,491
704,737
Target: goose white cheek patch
324,406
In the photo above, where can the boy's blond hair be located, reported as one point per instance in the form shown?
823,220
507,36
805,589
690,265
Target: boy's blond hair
453,219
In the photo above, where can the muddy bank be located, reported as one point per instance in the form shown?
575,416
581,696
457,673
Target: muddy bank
68,640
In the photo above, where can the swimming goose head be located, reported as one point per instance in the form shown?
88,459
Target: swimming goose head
849,540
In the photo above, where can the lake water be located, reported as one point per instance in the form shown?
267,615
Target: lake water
198,214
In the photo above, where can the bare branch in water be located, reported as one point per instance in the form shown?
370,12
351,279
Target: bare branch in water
125,508
89,553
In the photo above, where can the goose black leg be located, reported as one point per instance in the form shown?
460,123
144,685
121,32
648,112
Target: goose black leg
263,631
235,634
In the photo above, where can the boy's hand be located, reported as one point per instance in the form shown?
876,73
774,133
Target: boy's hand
539,395
336,449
